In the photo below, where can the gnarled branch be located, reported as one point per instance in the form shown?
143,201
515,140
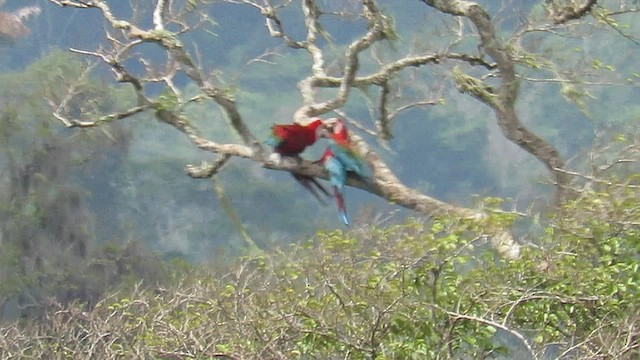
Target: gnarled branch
385,183
503,103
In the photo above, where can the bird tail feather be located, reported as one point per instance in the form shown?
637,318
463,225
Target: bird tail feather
342,210
313,186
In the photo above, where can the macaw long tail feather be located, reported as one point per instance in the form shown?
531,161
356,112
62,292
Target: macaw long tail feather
345,218
320,187
312,185
342,210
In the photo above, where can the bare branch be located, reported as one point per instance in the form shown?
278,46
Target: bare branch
272,21
159,14
502,100
597,180
606,18
263,57
72,91
385,185
173,46
383,124
377,28
562,13
206,170
497,325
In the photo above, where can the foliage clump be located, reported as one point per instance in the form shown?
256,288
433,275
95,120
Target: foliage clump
421,289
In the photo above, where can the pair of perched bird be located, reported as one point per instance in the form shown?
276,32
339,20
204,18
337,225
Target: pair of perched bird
339,158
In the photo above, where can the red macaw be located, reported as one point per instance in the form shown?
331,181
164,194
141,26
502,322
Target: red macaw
291,140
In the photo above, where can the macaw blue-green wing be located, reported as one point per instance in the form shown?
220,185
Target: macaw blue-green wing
350,159
337,172
337,177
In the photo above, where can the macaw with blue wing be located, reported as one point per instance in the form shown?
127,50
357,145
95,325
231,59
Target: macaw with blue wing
291,140
337,178
345,151
339,158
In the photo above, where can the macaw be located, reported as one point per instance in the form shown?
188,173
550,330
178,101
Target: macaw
291,140
339,158
345,151
337,178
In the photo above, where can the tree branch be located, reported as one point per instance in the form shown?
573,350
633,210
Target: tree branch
503,103
497,325
158,14
206,170
569,11
385,184
170,43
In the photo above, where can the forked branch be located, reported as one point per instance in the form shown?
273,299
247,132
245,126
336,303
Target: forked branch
378,27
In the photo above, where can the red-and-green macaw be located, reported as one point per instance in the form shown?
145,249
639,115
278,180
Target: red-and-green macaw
345,151
339,158
291,140
337,178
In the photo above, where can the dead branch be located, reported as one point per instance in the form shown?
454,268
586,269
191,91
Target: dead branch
385,184
502,99
567,11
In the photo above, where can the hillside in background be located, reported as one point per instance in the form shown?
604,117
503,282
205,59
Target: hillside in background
450,151
89,212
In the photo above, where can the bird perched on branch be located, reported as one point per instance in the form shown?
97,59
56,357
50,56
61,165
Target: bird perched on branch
339,158
337,178
12,25
345,151
291,140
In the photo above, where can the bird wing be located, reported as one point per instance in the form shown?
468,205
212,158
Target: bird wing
291,139
337,177
337,172
351,160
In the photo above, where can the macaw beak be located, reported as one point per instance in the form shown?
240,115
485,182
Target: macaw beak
330,122
323,132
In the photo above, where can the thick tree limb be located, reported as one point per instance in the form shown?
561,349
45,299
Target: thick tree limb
562,13
385,184
503,100
173,46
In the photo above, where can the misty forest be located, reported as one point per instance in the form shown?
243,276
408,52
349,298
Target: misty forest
475,168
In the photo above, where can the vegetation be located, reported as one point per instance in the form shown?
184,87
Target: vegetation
418,290
107,251
47,247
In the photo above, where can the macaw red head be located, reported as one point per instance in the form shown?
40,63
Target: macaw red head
338,128
315,124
